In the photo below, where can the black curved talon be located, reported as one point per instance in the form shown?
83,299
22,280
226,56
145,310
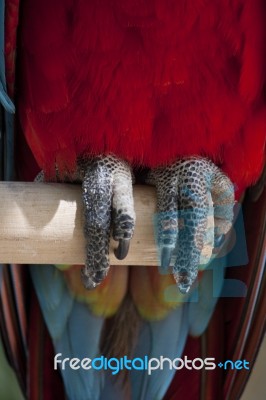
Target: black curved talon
166,256
108,206
122,250
108,203
218,240
191,194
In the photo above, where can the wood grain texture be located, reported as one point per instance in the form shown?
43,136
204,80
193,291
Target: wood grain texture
43,223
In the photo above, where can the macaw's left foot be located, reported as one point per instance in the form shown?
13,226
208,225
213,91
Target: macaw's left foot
190,192
108,203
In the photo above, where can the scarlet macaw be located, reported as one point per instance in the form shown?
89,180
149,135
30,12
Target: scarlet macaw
174,87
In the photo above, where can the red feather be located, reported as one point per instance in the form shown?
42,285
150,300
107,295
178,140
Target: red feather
149,81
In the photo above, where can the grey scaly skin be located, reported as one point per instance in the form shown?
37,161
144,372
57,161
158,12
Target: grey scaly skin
183,193
108,202
183,196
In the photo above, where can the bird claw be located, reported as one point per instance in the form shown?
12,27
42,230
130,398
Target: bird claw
166,256
218,240
122,250
186,191
108,203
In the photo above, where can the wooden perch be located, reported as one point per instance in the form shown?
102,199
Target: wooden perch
43,223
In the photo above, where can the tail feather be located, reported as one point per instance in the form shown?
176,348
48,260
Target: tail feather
164,338
55,301
75,331
80,339
203,302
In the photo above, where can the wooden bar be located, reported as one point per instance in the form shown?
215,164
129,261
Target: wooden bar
43,223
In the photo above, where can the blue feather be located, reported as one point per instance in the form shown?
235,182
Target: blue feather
74,330
54,298
204,299
165,338
80,339
112,389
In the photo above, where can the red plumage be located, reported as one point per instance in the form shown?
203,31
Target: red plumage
147,80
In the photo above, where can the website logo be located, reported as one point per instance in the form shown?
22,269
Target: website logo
144,364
